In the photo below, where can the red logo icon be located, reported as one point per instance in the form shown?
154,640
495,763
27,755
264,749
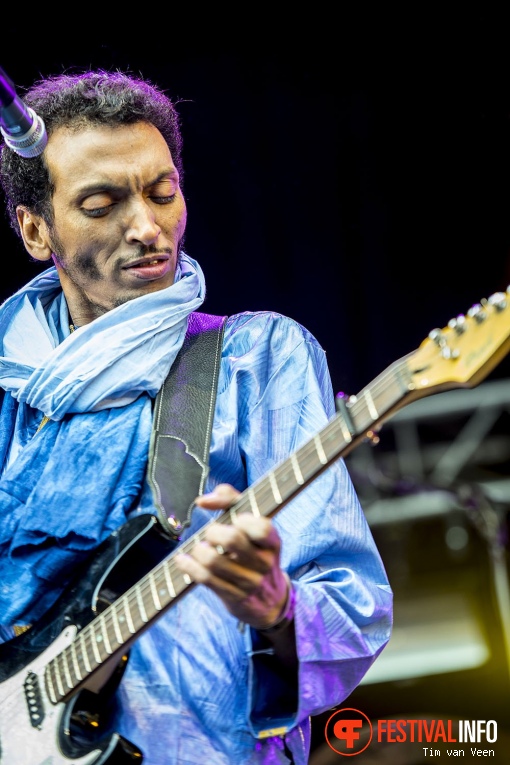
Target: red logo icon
348,732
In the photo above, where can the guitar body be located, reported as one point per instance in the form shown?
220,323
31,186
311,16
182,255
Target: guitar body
33,729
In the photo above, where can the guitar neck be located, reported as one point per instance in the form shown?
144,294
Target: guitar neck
115,628
459,355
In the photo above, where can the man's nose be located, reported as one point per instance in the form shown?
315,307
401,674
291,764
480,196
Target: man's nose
141,224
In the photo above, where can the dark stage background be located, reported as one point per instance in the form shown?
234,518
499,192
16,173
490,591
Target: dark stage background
351,170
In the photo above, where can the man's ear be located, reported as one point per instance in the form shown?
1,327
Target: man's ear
35,234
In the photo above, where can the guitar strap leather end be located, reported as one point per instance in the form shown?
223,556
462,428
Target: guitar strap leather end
182,423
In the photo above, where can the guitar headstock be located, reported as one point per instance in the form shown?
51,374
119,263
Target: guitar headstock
464,352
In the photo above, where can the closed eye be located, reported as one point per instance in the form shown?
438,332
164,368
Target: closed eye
163,200
97,212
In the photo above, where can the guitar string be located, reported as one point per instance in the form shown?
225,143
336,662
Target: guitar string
307,457
264,497
264,491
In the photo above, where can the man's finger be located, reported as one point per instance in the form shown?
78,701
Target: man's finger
221,497
260,531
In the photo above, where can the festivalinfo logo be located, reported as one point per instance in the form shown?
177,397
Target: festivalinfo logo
349,732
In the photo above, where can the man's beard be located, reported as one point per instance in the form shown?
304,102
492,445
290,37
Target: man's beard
86,264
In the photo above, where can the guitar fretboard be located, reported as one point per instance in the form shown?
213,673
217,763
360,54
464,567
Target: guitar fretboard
113,630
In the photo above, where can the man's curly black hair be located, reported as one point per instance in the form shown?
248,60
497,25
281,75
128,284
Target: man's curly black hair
74,101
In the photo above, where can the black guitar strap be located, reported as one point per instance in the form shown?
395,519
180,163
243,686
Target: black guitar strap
182,423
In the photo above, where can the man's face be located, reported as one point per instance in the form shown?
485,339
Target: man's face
119,215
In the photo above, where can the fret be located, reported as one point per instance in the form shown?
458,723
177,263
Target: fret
169,582
286,478
386,391
141,605
403,380
155,596
50,688
180,580
264,496
95,648
330,442
75,661
274,487
106,640
370,404
67,673
253,503
81,660
84,652
320,450
297,471
307,460
360,414
127,611
161,587
116,625
60,687
346,433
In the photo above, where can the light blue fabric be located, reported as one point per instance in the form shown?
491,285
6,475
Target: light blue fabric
189,689
67,488
104,364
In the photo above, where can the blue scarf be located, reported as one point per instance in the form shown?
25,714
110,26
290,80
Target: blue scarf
67,487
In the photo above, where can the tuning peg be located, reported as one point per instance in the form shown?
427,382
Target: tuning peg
498,301
477,312
458,324
450,353
436,335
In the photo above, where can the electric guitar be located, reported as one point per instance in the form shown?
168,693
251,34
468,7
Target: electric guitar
57,677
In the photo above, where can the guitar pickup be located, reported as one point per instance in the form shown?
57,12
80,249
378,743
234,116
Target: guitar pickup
34,700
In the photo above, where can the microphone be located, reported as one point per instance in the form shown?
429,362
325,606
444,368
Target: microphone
23,130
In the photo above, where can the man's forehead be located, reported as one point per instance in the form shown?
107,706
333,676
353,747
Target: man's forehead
98,155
